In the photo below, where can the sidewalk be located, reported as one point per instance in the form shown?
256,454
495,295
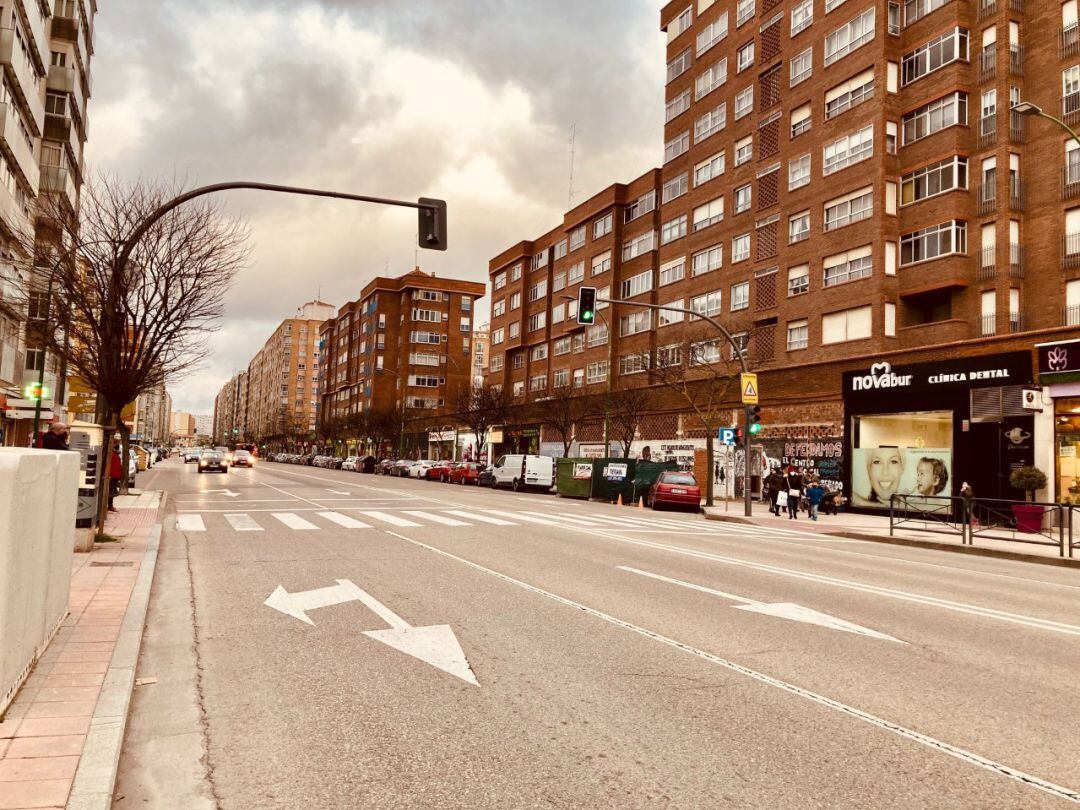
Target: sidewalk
876,528
60,739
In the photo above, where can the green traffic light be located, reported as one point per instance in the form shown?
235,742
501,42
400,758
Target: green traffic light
756,428
587,316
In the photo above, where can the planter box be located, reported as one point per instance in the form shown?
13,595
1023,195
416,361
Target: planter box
1029,517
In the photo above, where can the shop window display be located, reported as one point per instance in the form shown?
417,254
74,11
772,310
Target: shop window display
901,454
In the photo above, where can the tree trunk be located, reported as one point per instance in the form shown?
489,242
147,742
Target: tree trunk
709,462
125,455
104,478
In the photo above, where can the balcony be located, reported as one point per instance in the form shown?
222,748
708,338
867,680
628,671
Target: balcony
950,272
1070,250
1016,6
58,180
1016,322
987,8
62,128
936,333
988,325
986,197
66,80
1016,261
1069,44
988,263
15,139
11,365
22,77
68,29
1016,127
1017,194
1016,59
1070,181
1071,316
1070,107
988,129
988,63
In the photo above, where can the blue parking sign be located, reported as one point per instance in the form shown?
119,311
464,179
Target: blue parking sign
727,436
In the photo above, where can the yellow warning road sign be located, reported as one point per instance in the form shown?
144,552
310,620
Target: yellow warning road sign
748,385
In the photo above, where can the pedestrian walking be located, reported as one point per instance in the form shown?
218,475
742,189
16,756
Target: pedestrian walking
794,492
116,471
56,438
815,493
775,483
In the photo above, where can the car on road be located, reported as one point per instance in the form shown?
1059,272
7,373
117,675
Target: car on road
334,462
190,455
366,464
385,467
486,477
213,461
439,471
349,464
675,489
521,472
467,472
242,458
418,469
401,468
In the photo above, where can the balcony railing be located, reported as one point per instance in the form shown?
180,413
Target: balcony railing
986,198
987,325
1016,261
1017,6
987,8
1016,127
1070,250
1070,181
987,264
1017,194
988,63
1070,106
1070,41
1071,316
988,129
1016,322
1016,59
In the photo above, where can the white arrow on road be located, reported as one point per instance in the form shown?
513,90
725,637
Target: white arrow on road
338,492
436,645
227,492
781,610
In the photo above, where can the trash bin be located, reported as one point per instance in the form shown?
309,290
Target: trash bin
573,477
646,474
613,477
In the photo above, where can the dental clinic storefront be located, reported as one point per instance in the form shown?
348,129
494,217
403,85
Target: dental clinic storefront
926,428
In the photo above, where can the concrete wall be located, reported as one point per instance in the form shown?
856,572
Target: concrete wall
38,499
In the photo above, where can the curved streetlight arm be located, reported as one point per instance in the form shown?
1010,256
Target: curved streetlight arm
1072,132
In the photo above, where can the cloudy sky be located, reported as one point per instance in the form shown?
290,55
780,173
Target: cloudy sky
468,100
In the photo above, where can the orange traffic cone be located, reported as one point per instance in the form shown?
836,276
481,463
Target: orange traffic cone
641,502
619,502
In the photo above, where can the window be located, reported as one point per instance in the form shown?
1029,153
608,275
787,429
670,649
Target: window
951,46
930,243
711,78
917,9
937,178
851,93
798,280
848,266
800,120
831,5
743,195
710,123
798,335
672,271
638,245
558,281
740,247
709,169
561,346
802,66
560,378
668,355
679,24
642,205
602,226
1070,88
500,281
934,117
853,207
602,295
577,238
849,37
745,12
705,353
673,229
802,15
538,290
708,260
708,214
636,285
538,382
665,317
798,227
560,250
678,66
744,57
515,272
601,264
633,363
427,315
635,322
676,187
848,150
740,296
707,304
575,273
515,300
497,336
744,102
540,260
677,146
798,172
848,324
465,325
712,33
498,308
744,150
496,363
597,372
579,377
558,313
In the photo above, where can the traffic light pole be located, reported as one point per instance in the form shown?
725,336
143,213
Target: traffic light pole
739,353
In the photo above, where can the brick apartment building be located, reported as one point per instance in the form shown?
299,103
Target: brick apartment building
847,189
405,345
230,410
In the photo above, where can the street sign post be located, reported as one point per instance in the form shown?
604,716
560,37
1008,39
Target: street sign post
748,384
727,437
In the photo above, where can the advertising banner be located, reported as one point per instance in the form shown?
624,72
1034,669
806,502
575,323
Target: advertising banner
582,471
878,473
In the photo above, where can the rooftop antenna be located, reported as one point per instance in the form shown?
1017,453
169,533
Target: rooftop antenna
573,154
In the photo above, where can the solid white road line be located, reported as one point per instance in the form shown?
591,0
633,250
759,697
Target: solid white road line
479,518
1069,794
295,522
190,523
243,523
393,520
343,520
434,517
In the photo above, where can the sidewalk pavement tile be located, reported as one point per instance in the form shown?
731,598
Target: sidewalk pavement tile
32,747
18,795
61,708
37,769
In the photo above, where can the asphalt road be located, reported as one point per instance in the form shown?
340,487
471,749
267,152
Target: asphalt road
581,655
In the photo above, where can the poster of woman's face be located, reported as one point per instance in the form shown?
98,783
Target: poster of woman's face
878,473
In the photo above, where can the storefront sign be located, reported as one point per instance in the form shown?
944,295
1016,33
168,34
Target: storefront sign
969,372
441,436
582,471
591,451
1059,362
682,454
823,458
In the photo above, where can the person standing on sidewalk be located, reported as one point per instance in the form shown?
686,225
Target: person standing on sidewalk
815,493
775,483
116,472
794,492
56,438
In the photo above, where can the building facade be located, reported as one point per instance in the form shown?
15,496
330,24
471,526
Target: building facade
230,410
182,426
847,189
405,345
152,417
481,349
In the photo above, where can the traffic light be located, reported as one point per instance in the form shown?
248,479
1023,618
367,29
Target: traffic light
431,233
35,391
753,419
739,435
586,305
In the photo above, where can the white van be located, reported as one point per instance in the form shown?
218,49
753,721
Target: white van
519,472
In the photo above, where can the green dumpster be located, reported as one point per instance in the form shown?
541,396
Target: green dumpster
573,477
647,473
612,477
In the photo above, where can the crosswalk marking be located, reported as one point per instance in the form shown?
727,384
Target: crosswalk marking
435,518
295,521
524,516
393,520
243,523
190,523
481,518
343,520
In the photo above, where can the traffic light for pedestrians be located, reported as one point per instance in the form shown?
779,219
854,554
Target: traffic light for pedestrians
431,233
35,391
586,305
753,419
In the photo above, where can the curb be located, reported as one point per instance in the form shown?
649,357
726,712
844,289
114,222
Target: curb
95,777
1001,554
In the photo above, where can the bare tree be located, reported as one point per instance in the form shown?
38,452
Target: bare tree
481,407
516,415
132,328
701,374
563,412
626,408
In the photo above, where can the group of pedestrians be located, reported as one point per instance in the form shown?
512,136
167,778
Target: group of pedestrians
58,437
790,489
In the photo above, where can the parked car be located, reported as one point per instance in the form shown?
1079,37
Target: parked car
349,464
677,489
191,454
133,467
520,472
385,467
486,477
401,467
334,462
242,458
418,469
366,464
439,471
467,472
213,461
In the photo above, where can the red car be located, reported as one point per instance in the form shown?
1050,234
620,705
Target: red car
675,489
467,473
439,471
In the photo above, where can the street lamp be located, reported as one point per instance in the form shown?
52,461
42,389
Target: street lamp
1027,108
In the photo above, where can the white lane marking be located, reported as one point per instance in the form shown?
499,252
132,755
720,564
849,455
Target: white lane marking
295,522
393,520
243,523
190,523
344,520
434,518
544,521
338,492
479,518
962,754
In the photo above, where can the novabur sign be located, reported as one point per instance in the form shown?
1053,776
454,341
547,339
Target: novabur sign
970,372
